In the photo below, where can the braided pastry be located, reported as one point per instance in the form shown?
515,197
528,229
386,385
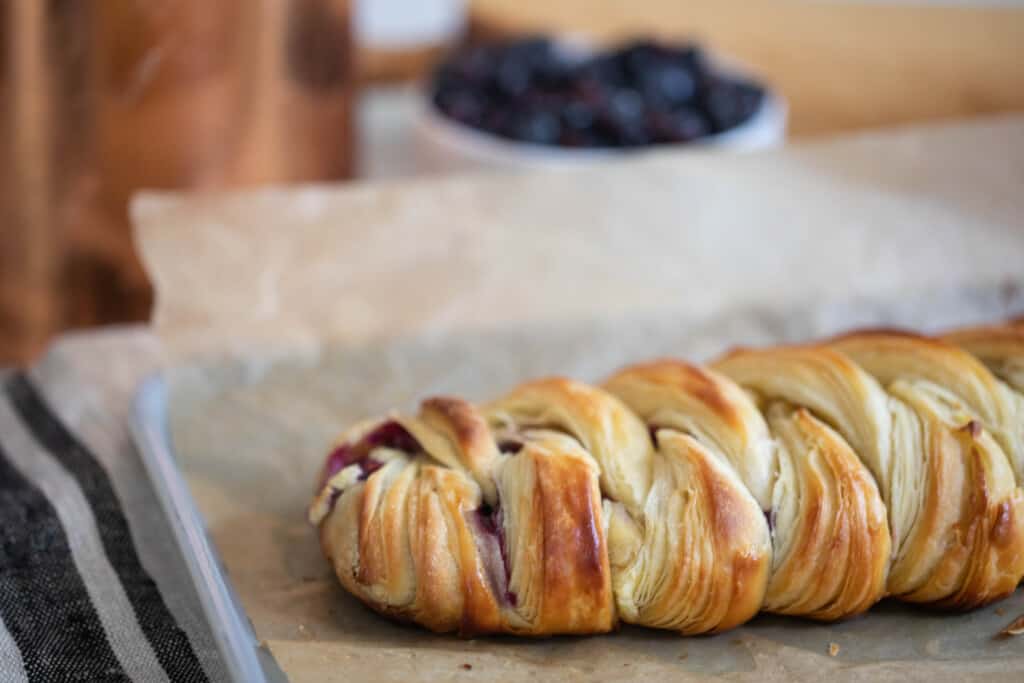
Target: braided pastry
804,480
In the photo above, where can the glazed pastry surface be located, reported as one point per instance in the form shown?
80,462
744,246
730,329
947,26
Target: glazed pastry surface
805,480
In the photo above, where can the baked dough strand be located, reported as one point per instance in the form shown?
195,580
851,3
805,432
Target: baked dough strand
803,480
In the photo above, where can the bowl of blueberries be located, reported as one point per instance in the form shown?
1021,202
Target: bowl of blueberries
543,102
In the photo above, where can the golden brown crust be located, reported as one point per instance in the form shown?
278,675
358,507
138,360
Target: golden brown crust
700,401
833,546
466,434
576,578
912,357
803,480
967,475
828,384
989,538
711,441
901,426
609,433
702,551
999,347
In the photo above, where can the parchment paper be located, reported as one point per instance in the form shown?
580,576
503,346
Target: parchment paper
689,234
920,229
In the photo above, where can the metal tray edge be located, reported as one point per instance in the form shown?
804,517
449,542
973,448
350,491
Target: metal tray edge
246,660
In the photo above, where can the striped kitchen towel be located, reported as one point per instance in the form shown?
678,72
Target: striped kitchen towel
79,595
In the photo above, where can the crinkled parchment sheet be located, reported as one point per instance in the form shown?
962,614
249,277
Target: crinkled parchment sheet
318,306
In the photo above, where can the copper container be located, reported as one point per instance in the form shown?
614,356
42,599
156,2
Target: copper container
101,98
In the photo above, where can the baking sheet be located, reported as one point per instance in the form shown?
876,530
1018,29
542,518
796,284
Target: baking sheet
250,432
245,659
479,282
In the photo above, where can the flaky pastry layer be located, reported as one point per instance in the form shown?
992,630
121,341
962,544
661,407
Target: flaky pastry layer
803,480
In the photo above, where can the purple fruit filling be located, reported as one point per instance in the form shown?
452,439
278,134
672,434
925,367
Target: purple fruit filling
368,467
388,435
490,523
340,458
510,446
652,430
392,435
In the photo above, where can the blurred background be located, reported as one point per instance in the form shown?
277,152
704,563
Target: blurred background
99,98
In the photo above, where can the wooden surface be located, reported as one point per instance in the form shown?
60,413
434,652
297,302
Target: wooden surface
101,99
842,66
66,258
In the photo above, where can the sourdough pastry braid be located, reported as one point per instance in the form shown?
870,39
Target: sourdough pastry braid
805,480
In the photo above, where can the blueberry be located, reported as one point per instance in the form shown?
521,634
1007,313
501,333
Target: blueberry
626,106
578,115
538,127
497,121
633,135
577,138
591,92
640,94
595,137
671,84
721,106
728,104
475,64
554,75
751,97
622,120
533,51
464,106
640,57
681,125
604,71
691,57
448,77
512,77
622,133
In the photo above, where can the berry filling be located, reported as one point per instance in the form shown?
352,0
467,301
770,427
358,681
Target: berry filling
368,467
387,435
652,430
510,446
490,526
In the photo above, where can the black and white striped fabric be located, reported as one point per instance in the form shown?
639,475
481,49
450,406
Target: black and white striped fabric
76,600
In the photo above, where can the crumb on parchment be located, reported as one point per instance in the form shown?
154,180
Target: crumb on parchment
467,666
1014,628
833,649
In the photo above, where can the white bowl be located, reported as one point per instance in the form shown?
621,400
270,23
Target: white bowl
445,145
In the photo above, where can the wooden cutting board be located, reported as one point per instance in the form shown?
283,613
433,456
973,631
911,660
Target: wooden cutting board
842,66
